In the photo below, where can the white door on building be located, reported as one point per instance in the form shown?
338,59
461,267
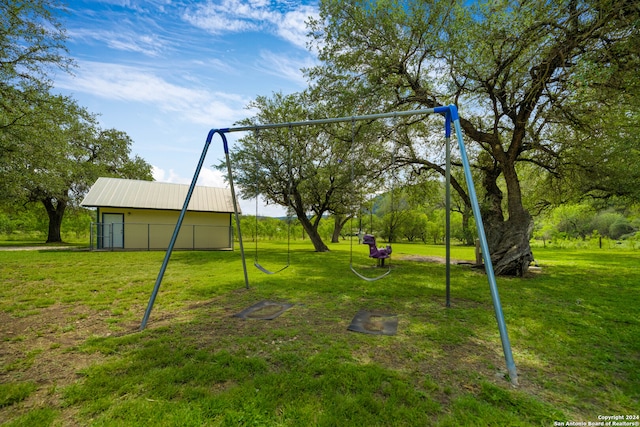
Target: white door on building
112,230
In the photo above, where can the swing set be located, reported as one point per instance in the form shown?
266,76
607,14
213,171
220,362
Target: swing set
256,262
368,239
451,117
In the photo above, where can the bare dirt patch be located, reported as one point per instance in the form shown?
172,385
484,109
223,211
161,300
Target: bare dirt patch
42,248
435,259
42,349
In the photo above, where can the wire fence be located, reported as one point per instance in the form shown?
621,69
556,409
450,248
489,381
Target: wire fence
139,236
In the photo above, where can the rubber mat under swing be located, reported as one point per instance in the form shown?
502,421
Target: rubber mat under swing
376,323
264,310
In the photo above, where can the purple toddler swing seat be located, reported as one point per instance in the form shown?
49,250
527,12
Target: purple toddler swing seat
374,252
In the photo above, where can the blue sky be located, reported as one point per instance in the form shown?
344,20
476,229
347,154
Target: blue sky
166,72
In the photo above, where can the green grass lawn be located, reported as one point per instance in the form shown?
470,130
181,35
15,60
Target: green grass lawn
72,353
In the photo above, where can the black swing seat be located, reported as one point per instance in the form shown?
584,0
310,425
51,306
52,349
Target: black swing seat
264,270
369,279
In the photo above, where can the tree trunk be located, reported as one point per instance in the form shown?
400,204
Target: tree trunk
338,225
294,201
395,219
509,246
508,239
315,238
467,233
337,228
55,211
312,232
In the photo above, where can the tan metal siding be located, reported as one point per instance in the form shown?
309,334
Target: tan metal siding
147,228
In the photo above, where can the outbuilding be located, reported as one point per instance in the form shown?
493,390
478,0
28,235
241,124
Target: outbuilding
142,215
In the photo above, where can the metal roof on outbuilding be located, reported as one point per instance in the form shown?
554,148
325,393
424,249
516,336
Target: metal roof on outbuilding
137,194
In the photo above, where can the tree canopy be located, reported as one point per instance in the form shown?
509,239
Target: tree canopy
32,44
531,79
59,150
312,171
51,149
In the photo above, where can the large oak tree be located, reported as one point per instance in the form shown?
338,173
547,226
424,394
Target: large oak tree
58,151
51,149
32,45
310,170
519,71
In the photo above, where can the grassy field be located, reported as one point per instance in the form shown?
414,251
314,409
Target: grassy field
72,354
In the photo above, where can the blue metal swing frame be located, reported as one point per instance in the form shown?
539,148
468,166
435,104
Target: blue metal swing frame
450,113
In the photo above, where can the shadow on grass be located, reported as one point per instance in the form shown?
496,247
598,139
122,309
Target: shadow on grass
305,368
573,329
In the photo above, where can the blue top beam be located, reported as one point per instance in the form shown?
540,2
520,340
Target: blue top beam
333,120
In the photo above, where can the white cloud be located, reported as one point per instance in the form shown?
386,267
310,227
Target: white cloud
122,39
212,178
157,173
126,83
228,16
216,64
207,178
215,178
137,5
220,110
161,175
233,16
292,27
145,44
286,66
121,82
